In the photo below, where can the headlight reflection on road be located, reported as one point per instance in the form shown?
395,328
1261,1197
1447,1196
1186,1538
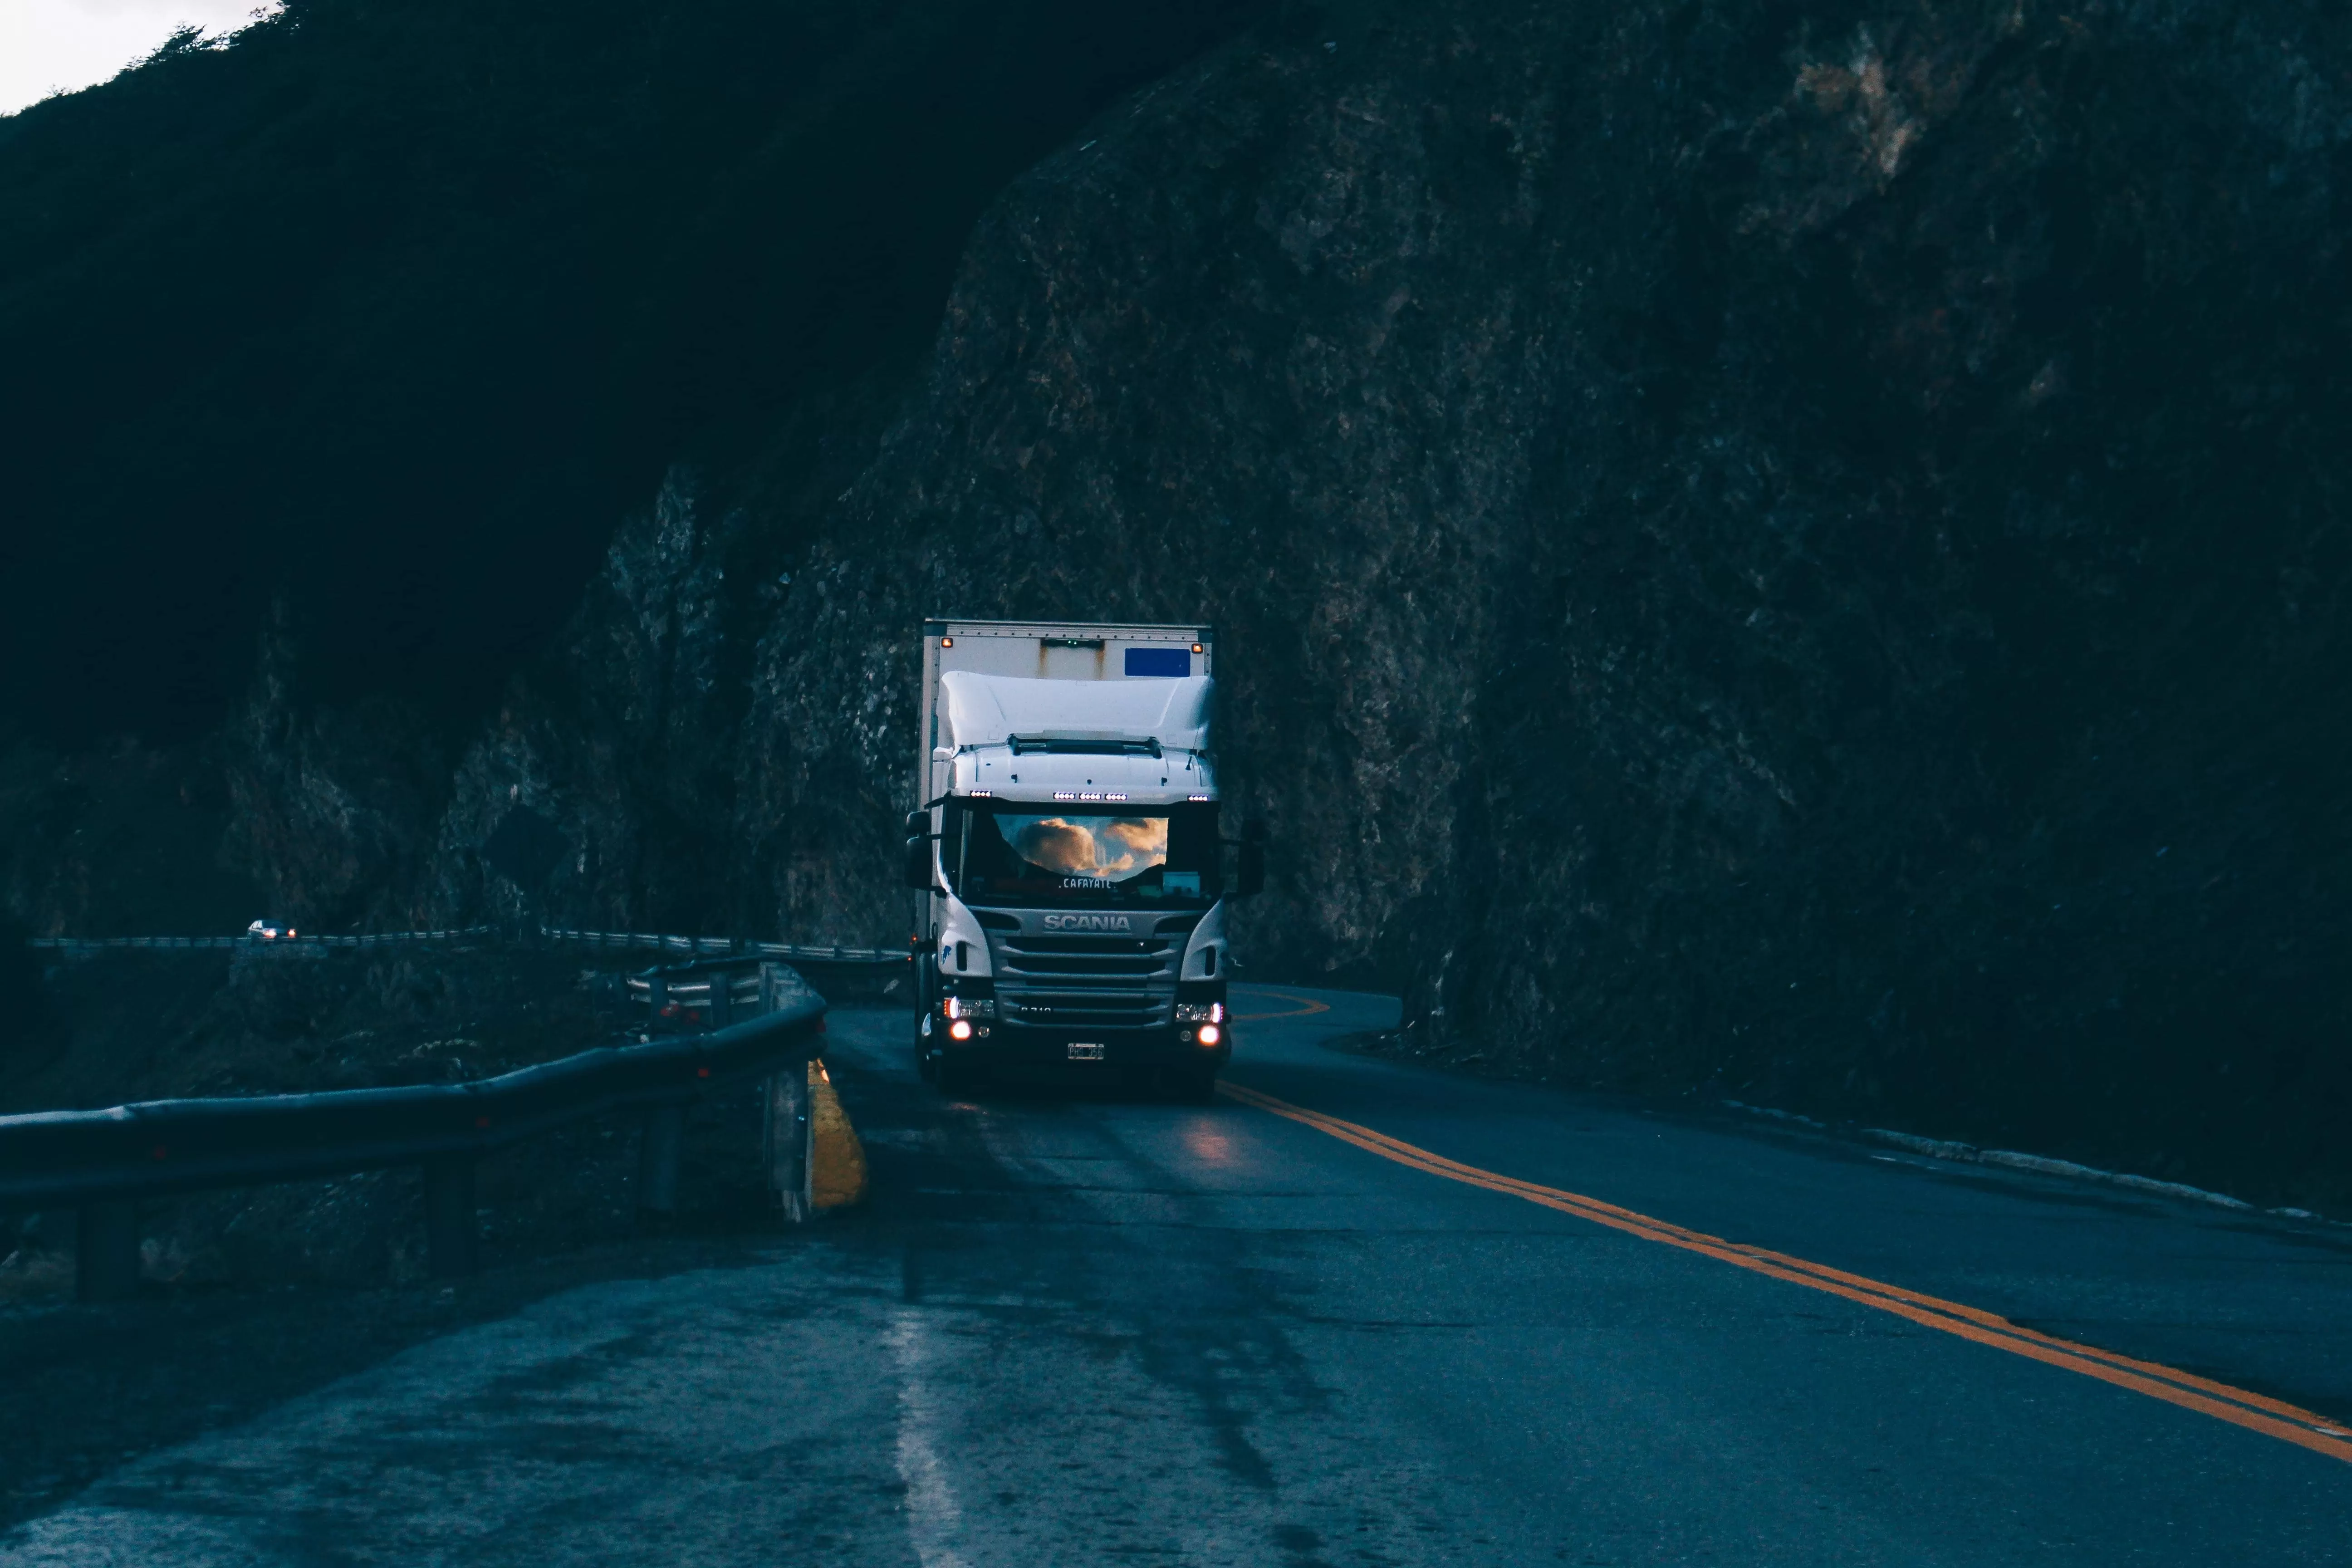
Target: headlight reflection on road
1208,1145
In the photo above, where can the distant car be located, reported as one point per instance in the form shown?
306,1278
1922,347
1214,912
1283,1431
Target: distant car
269,930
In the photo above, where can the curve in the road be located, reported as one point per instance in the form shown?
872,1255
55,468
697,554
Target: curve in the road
1308,1007
2240,1407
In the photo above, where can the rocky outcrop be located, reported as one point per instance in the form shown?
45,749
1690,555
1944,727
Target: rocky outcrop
623,743
330,806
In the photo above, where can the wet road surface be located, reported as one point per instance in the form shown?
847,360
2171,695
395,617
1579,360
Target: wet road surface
1077,1328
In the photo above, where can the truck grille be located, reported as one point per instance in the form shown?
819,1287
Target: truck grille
1090,982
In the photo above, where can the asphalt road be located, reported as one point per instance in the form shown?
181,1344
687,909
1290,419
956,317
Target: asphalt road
1073,1328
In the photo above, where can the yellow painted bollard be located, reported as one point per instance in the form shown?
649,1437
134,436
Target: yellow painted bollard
836,1159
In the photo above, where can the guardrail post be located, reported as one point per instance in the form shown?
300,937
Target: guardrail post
106,1251
721,1010
451,1230
657,1150
657,999
787,1141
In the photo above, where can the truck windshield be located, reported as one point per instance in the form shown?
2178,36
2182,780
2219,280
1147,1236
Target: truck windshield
1023,854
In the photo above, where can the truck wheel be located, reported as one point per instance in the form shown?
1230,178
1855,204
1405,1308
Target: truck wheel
1193,1086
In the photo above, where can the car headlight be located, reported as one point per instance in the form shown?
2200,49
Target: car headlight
1200,1011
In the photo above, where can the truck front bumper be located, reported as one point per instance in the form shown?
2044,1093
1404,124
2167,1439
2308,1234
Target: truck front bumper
1017,1045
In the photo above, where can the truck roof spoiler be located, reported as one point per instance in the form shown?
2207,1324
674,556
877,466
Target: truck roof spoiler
1085,743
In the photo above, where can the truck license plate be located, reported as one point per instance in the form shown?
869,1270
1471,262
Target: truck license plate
1085,1053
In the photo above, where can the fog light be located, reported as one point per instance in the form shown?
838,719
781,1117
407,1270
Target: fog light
960,1030
1211,1034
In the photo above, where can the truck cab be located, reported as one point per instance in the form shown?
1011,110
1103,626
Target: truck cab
1072,868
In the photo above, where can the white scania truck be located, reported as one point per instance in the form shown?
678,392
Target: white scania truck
1074,877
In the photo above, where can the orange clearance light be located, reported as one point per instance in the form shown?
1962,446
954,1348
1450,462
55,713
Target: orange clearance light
1198,648
1211,1034
946,642
960,1030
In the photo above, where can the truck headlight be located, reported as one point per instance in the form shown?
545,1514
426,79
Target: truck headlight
1200,1011
968,1007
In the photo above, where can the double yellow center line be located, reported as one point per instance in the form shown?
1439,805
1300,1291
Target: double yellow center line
2240,1407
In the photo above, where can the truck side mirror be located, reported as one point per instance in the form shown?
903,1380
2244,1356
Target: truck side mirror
1249,870
918,863
919,822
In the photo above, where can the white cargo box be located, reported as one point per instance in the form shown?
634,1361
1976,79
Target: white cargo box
1173,660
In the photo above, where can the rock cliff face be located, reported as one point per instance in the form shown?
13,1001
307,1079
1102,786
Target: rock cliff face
1795,550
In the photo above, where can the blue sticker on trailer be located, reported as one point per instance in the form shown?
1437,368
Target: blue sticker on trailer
1159,661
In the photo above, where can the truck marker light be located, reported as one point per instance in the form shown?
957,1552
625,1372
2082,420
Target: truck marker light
960,1030
1196,797
1198,648
1211,1034
946,642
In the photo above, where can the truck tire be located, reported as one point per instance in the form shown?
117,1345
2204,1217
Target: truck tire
954,1077
1193,1086
926,1064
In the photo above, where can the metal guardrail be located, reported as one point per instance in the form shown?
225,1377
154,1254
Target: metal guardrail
247,940
711,994
805,952
103,1162
607,940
